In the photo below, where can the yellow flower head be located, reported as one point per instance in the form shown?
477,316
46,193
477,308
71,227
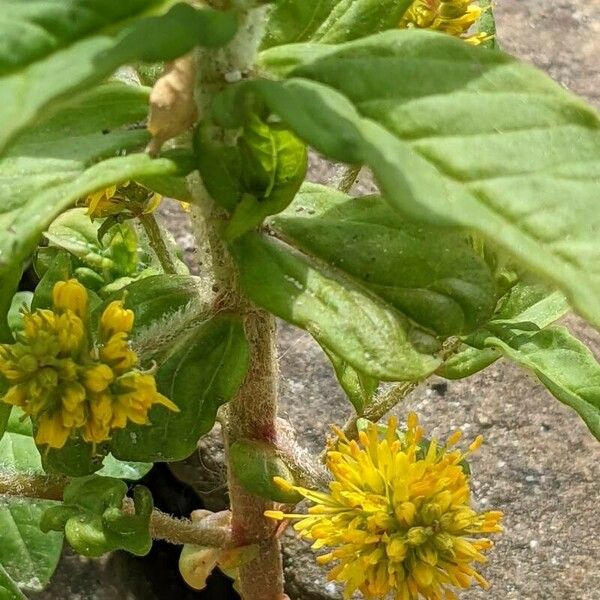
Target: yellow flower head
398,518
454,17
128,197
70,384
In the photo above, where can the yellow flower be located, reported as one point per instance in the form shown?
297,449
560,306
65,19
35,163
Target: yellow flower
454,17
128,197
69,385
397,518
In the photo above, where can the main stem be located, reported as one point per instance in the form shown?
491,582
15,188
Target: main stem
252,414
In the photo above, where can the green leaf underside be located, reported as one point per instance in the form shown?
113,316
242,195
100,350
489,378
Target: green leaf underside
28,556
202,372
562,363
457,136
50,50
431,275
525,303
330,21
57,163
374,341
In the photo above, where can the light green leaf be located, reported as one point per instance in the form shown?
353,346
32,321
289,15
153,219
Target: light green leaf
525,304
487,24
75,152
375,340
49,50
457,136
94,521
8,588
28,556
119,469
20,301
330,21
561,362
200,373
431,275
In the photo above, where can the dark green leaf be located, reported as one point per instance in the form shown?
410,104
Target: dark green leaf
255,464
274,164
59,270
456,136
52,49
9,280
77,458
342,316
431,275
203,371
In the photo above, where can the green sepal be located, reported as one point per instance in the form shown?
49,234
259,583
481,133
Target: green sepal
255,464
93,519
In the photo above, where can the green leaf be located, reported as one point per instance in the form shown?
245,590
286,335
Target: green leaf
5,410
77,458
200,373
20,301
274,163
456,136
9,281
52,49
359,388
330,21
431,275
487,24
60,269
375,340
255,464
74,153
111,467
93,519
8,588
524,303
561,362
28,556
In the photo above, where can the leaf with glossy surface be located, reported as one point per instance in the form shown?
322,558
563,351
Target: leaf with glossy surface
431,275
49,50
342,316
456,136
203,371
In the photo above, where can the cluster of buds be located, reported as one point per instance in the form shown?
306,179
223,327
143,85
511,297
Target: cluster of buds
71,382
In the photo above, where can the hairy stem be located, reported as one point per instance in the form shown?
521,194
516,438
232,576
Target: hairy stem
253,412
157,243
162,526
253,415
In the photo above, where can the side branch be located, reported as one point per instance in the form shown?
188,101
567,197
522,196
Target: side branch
162,526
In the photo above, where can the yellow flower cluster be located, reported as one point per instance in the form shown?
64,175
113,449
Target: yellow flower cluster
397,519
68,384
454,17
112,200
